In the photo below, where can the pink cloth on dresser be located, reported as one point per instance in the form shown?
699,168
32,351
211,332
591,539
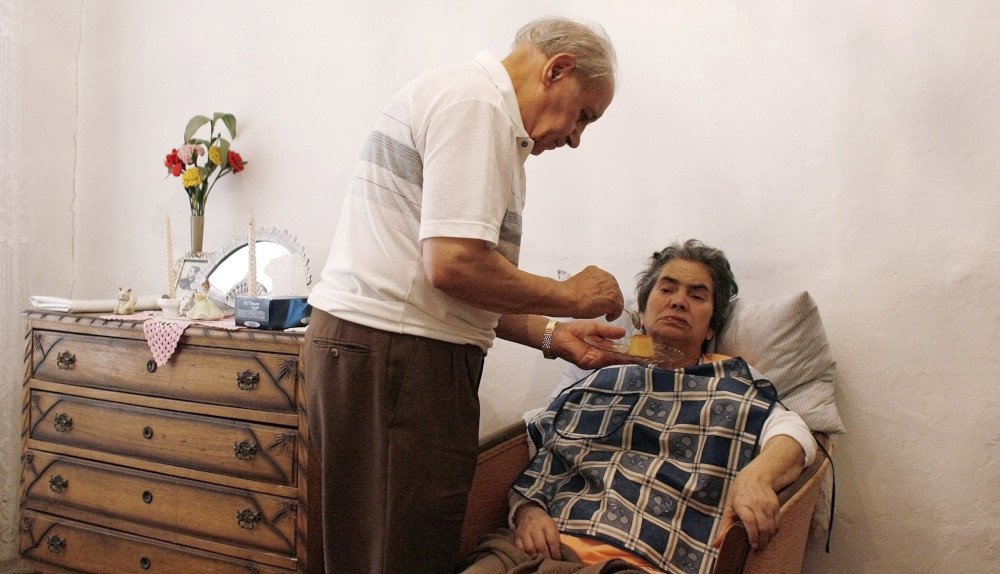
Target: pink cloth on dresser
162,334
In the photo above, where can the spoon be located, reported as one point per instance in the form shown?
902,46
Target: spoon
634,316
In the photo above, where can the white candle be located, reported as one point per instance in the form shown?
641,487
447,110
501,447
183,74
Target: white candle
171,277
252,253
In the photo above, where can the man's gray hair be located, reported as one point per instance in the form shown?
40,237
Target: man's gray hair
596,62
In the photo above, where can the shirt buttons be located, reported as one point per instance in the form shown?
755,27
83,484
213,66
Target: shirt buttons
524,144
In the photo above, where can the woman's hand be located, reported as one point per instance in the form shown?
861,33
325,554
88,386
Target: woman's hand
753,496
756,505
536,532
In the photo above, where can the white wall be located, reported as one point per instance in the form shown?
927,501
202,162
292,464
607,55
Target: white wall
847,148
50,133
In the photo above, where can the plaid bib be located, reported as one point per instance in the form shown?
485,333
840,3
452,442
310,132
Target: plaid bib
642,458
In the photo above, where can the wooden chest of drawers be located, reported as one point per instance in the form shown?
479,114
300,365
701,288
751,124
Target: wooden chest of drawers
195,466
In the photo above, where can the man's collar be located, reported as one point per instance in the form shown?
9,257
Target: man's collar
494,68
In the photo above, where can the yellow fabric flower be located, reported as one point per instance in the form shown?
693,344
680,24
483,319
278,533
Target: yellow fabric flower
192,177
215,155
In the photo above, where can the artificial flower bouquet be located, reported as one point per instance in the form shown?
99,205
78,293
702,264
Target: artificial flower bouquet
200,163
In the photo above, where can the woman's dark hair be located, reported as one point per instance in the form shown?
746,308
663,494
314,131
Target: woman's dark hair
723,283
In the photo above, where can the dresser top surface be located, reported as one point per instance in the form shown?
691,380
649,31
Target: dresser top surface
133,328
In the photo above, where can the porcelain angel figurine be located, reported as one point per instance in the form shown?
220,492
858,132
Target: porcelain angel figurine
203,307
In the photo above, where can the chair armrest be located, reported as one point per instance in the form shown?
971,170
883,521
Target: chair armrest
785,552
734,550
502,456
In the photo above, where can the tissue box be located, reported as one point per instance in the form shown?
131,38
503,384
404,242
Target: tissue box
272,313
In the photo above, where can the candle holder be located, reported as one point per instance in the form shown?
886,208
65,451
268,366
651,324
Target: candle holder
169,307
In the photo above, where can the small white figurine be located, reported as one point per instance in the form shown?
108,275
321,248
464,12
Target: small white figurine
203,308
126,302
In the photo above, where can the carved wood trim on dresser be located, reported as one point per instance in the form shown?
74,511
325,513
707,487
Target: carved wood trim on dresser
196,466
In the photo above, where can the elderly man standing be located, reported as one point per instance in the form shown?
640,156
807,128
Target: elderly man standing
421,277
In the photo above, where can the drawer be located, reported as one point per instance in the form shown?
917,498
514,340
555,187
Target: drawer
77,547
244,379
105,494
243,450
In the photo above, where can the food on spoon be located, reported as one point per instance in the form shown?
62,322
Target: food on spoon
640,346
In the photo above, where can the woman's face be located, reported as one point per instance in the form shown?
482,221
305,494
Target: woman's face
679,308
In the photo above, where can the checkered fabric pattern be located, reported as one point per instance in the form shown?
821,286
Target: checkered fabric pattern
642,457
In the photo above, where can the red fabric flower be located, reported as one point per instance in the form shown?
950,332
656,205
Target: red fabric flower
174,162
235,162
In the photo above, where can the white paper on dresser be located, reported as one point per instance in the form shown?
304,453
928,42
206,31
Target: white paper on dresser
64,305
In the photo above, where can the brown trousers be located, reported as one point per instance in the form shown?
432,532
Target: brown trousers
394,435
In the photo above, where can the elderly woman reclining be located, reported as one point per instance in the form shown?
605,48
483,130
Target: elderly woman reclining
642,467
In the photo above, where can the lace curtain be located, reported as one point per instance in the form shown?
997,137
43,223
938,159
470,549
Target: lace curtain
13,264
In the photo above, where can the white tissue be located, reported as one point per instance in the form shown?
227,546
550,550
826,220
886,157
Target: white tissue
287,274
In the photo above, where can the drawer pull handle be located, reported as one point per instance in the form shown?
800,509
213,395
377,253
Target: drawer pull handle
58,484
247,380
145,563
147,496
247,518
151,366
56,544
245,450
147,433
62,422
65,360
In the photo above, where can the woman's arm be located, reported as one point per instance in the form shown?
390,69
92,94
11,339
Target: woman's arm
753,496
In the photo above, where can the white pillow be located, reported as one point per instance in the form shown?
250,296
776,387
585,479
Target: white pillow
785,340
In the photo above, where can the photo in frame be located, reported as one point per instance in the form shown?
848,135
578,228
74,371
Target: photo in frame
190,276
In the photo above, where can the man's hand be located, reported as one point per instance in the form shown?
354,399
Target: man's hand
567,343
598,293
536,532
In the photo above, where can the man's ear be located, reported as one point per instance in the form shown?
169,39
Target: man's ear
558,66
